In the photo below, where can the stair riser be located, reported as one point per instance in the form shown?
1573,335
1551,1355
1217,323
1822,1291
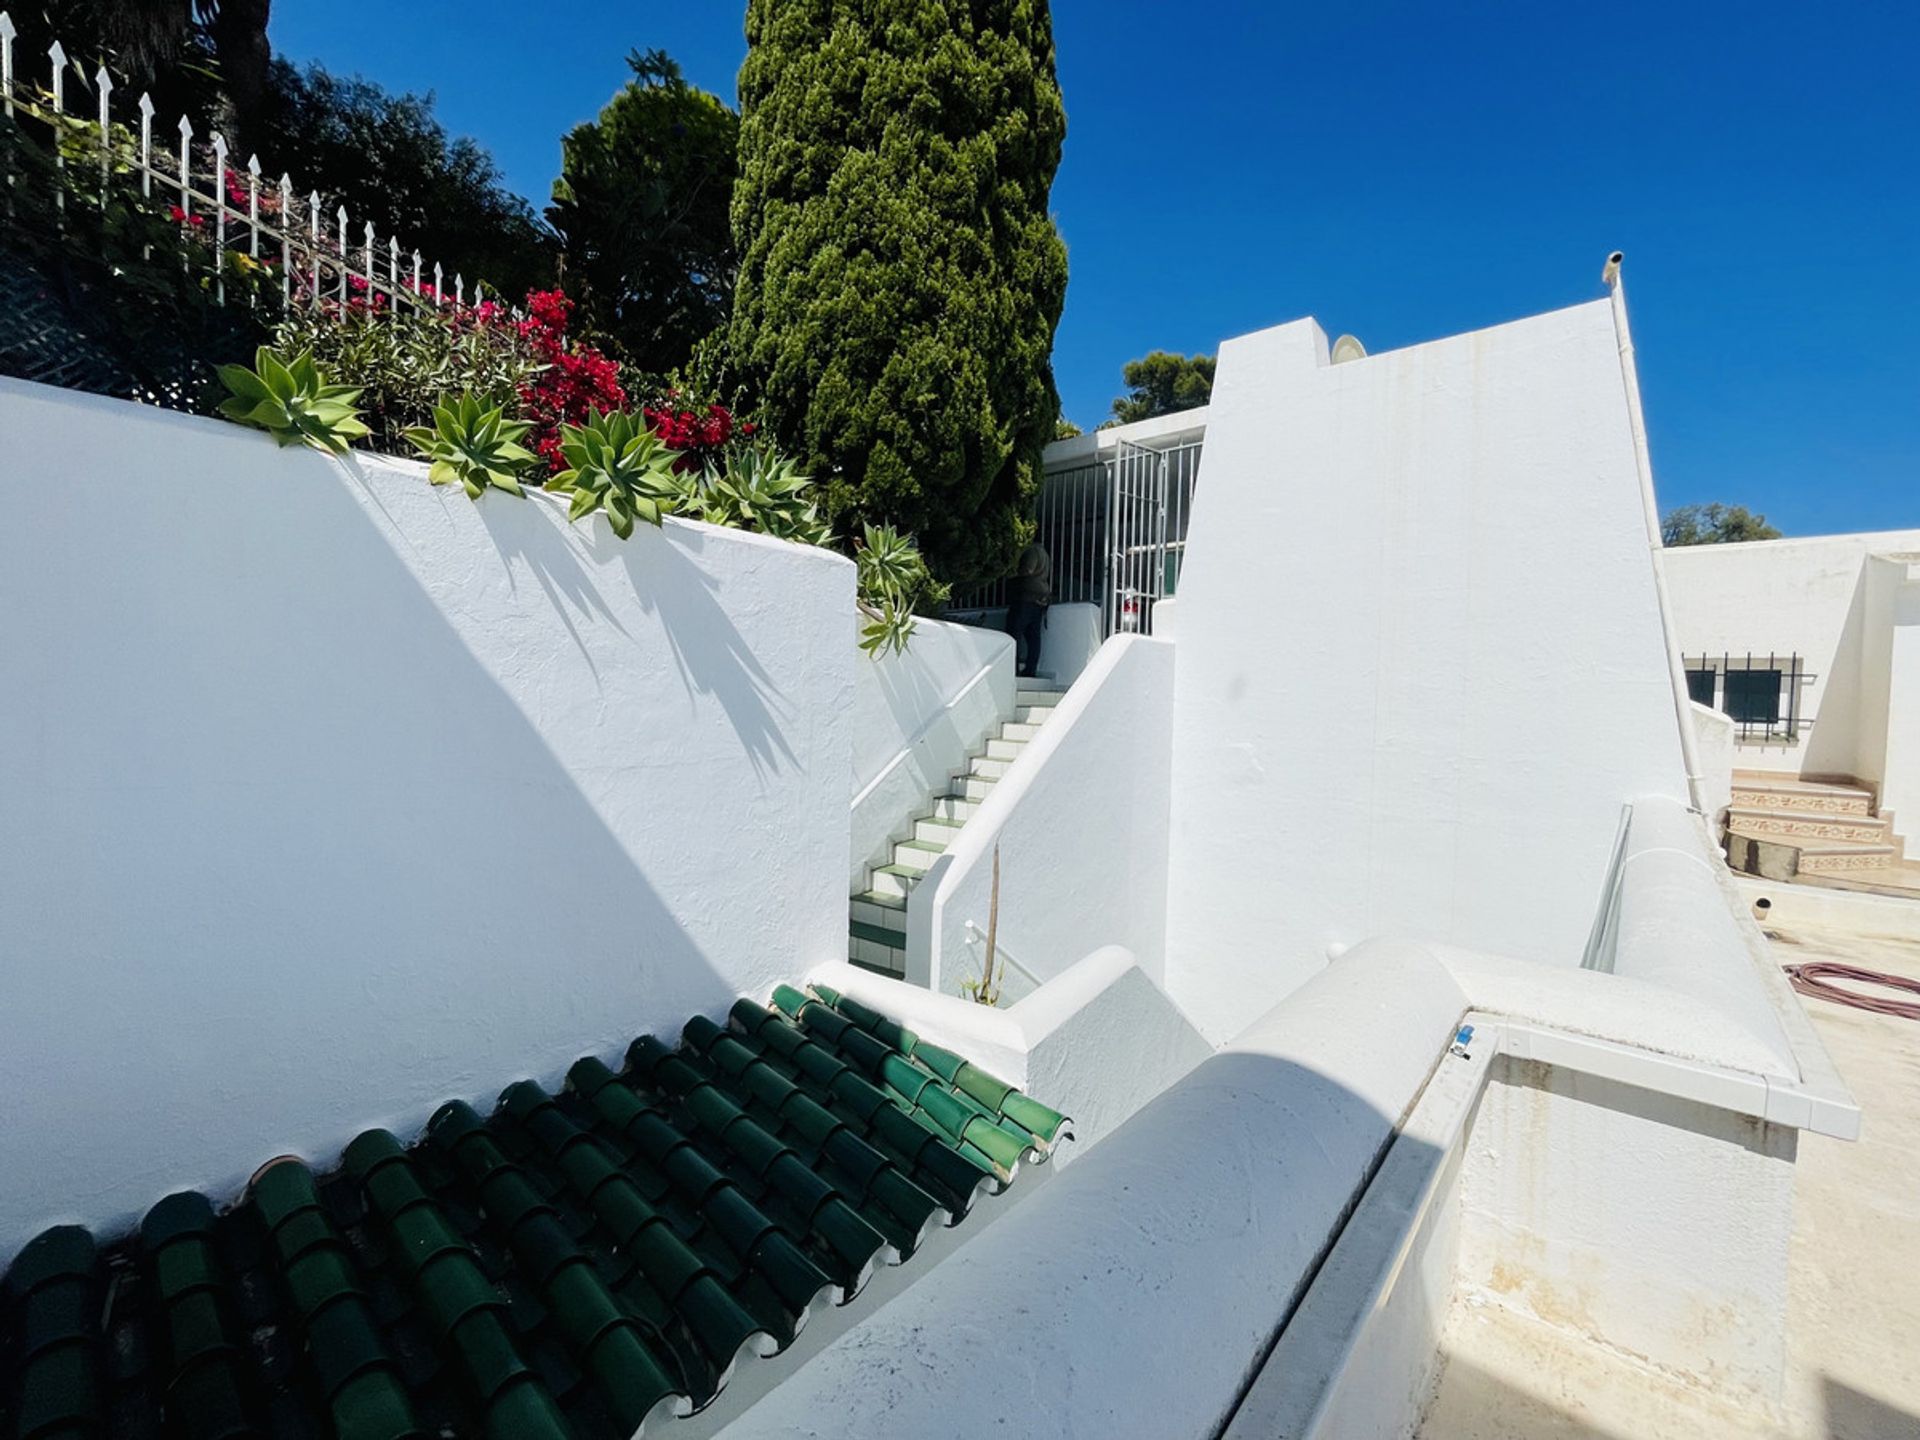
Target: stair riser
975,788
1844,864
891,884
1032,714
881,915
921,860
1012,730
935,833
989,769
1863,829
1004,749
1753,798
959,811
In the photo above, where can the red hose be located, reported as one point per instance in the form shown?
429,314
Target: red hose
1813,977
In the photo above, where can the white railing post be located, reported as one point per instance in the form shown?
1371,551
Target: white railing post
253,207
146,146
59,59
7,34
393,271
313,236
104,83
459,292
370,290
219,218
345,264
437,283
286,240
416,280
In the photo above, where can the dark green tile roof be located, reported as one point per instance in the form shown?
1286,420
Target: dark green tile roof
574,1264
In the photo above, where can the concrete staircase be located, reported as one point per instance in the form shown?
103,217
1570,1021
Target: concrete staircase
877,938
1780,827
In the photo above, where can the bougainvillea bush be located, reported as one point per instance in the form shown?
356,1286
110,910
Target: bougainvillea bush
574,382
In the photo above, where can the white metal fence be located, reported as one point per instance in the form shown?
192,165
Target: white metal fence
223,211
1116,532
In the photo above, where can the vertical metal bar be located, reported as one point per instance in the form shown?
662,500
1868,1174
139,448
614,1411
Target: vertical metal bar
7,34
103,82
393,271
146,145
416,279
437,283
370,290
313,237
346,264
58,58
220,218
286,240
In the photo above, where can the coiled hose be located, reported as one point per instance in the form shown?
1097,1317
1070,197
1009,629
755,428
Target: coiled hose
1814,978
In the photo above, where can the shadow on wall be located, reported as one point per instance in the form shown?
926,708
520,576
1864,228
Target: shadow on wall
282,858
1854,1415
1835,738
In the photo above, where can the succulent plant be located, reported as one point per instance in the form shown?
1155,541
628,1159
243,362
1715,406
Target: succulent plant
756,488
615,463
478,448
291,401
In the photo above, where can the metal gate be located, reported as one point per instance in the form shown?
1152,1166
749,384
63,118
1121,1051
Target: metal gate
1137,527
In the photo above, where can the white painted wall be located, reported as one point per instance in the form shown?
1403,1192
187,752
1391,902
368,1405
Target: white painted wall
1397,707
1893,726
1806,596
1717,752
330,795
1080,821
1096,1042
916,717
1656,1225
1071,640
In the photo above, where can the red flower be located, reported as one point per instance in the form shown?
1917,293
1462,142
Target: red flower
577,380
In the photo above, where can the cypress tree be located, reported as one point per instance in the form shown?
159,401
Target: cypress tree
900,276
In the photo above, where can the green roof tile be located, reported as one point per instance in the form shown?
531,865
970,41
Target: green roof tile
574,1264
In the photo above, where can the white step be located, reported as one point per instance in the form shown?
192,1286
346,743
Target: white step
1005,749
954,809
1014,730
894,880
1032,714
916,855
973,788
871,909
1027,696
988,768
936,831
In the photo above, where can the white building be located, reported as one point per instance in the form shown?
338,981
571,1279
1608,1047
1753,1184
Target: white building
1365,915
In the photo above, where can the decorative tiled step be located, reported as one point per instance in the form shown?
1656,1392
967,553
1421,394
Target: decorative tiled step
1808,824
1830,859
1756,791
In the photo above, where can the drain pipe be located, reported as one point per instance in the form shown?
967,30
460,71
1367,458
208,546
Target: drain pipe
1643,461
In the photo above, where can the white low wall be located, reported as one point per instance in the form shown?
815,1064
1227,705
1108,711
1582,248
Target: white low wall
1807,597
1080,822
1893,727
1715,750
1397,708
330,795
916,717
1096,1042
1071,641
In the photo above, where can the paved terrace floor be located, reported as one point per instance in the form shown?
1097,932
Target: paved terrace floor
1853,1336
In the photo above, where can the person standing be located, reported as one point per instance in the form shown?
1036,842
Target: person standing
1028,594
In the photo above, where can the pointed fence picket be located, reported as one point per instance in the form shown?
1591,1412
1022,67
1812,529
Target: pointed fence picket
222,213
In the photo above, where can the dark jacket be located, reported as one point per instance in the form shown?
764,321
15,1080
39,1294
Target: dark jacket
1033,576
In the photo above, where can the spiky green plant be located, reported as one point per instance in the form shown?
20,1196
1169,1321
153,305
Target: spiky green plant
757,488
893,582
480,449
615,463
291,401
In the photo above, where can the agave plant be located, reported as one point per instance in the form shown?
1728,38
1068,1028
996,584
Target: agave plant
478,448
615,463
759,489
292,401
893,581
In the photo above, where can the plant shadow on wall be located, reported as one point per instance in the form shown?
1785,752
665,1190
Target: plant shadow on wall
371,795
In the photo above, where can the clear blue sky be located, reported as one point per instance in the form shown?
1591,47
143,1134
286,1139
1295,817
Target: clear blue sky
1404,171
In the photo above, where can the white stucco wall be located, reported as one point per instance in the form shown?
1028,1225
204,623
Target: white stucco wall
1807,597
1891,725
330,795
1080,821
916,717
1398,706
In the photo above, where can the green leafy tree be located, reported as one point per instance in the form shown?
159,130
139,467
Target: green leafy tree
1162,383
900,276
642,211
1714,525
389,160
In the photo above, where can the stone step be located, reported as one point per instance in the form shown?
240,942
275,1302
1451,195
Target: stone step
1032,714
870,907
936,830
954,809
917,855
1766,793
974,788
988,769
1005,749
1830,859
1808,825
1014,730
1026,695
895,880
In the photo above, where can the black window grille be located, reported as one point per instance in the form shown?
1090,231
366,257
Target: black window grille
1762,694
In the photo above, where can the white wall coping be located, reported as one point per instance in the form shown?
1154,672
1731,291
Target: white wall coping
998,1040
1160,432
